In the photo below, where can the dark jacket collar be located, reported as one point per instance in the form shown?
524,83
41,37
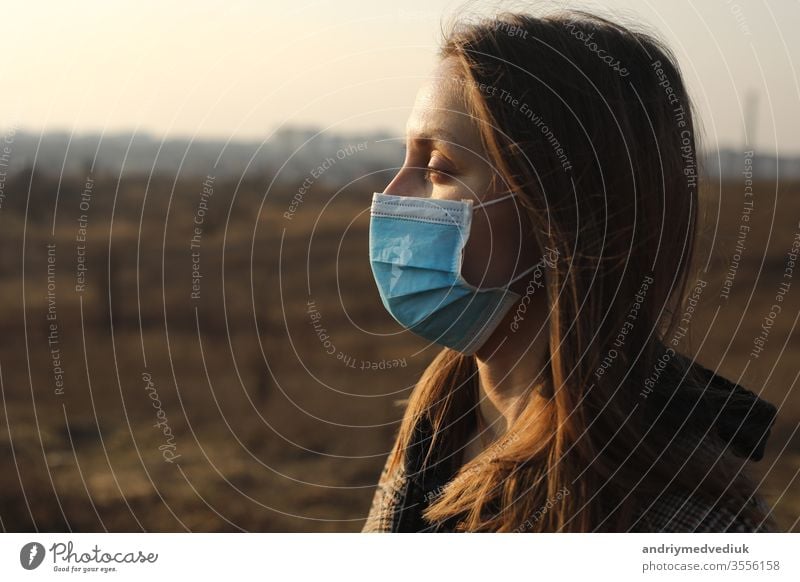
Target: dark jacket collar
738,417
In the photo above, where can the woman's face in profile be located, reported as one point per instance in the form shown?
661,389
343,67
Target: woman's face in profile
446,159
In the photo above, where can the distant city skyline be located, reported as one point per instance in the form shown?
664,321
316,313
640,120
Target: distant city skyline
291,155
241,69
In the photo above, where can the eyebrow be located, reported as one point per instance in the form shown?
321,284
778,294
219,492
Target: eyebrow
436,134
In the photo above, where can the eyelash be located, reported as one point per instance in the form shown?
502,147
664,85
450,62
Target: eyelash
428,172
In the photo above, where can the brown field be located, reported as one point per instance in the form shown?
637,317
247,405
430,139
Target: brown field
275,427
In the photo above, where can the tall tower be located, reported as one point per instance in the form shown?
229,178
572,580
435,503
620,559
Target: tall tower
750,120
749,129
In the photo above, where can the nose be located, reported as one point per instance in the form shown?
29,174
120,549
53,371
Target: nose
398,186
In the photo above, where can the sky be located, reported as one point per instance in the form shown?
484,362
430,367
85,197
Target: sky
241,69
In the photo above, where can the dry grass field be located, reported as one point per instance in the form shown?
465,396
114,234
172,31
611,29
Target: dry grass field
268,400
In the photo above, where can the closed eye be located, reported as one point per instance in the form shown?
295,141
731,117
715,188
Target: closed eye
430,173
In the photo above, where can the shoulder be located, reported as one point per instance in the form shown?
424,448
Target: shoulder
387,500
684,512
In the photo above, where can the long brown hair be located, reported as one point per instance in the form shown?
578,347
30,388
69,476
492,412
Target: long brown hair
590,123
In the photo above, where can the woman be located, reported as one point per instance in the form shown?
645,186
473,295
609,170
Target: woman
542,229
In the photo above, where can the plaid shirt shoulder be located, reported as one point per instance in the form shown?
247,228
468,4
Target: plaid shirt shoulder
687,513
387,500
672,512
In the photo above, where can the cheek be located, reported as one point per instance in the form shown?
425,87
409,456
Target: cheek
471,182
493,248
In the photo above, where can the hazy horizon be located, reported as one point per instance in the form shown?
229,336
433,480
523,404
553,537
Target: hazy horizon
228,70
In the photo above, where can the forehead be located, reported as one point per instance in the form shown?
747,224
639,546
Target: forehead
440,110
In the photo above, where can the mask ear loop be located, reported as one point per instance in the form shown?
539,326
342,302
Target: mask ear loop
525,272
495,201
502,199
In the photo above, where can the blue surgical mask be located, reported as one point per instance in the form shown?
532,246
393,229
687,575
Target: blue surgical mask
416,248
